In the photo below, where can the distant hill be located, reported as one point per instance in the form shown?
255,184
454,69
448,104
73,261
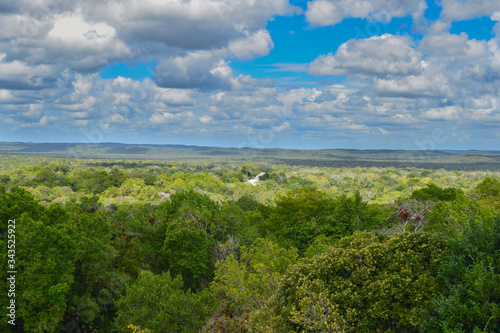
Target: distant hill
428,159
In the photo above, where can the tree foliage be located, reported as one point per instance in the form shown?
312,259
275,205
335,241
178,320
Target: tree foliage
245,285
160,304
471,275
148,246
364,284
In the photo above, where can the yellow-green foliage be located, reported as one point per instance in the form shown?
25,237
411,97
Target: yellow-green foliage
255,277
488,192
222,181
450,217
137,329
364,284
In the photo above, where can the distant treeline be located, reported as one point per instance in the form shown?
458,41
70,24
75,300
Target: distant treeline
427,159
354,162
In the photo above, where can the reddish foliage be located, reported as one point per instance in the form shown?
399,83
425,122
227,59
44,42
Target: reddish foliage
404,214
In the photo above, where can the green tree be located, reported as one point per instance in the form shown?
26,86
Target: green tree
187,252
46,256
488,188
488,192
364,284
246,284
160,304
434,192
350,213
297,218
97,282
256,215
448,217
470,301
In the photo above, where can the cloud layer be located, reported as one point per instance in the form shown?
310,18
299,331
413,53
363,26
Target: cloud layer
388,90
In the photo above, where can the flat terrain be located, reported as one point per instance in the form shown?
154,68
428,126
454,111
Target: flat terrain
335,158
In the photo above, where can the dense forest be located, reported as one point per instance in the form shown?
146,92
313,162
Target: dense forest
157,246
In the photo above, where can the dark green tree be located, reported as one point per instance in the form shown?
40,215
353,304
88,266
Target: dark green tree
187,252
46,257
470,301
298,217
435,193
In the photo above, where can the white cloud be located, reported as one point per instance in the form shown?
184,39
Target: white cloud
257,44
34,111
196,69
197,24
429,84
19,75
494,54
176,96
206,119
331,12
83,46
280,128
322,12
75,29
81,123
169,118
118,119
445,113
438,27
450,45
455,10
403,118
50,61
7,97
88,35
379,55
45,120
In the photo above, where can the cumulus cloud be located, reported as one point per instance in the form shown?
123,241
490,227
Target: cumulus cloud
451,45
445,113
429,84
176,97
7,97
197,24
169,118
88,35
455,10
322,12
331,12
197,69
17,75
84,46
379,55
52,51
494,54
257,44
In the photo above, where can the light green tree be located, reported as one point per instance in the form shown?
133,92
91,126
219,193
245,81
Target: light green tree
245,285
158,303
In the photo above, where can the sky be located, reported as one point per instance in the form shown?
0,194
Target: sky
363,74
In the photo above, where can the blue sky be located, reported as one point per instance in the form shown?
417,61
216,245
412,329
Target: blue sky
408,74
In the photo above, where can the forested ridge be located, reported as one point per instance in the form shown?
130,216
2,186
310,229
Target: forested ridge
149,246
